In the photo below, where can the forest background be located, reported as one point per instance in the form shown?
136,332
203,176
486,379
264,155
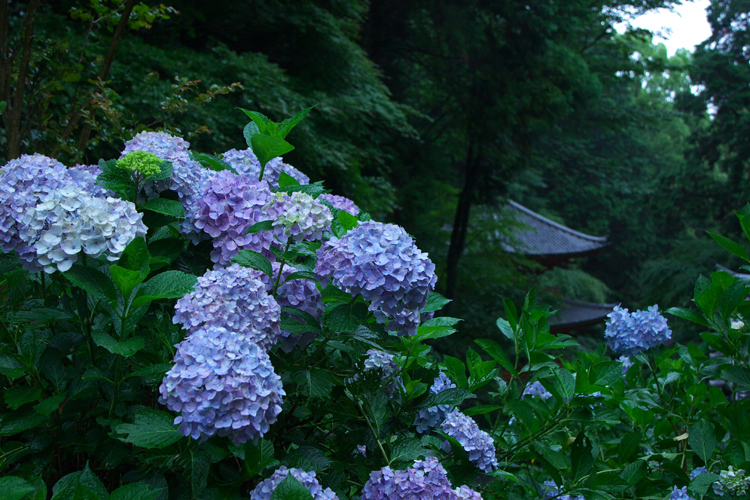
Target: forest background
429,114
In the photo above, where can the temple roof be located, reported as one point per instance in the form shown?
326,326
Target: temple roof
576,314
541,237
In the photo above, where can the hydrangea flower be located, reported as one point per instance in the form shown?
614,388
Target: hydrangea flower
299,215
140,161
160,144
536,390
235,298
229,207
341,202
85,176
697,472
67,221
680,494
381,360
478,445
629,334
246,163
265,489
430,418
626,364
426,479
553,491
733,482
381,262
222,384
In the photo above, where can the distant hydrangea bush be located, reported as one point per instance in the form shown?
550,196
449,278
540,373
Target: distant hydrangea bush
381,262
426,479
235,298
341,202
246,164
628,334
264,490
478,445
430,418
299,215
222,384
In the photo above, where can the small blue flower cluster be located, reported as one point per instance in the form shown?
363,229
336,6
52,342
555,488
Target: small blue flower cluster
680,494
733,482
536,390
551,490
246,164
299,215
235,298
381,262
478,445
426,479
222,384
341,202
697,472
430,418
264,490
631,333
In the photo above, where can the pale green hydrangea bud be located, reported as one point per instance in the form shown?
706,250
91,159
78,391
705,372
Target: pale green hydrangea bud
140,161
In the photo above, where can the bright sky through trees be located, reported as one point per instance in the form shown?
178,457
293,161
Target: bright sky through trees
684,27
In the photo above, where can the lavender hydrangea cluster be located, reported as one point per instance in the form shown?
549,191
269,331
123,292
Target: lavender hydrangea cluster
222,384
67,221
430,418
160,144
265,488
341,202
733,482
381,360
680,494
551,490
246,163
697,472
631,333
478,445
381,262
235,298
229,207
425,479
537,390
299,215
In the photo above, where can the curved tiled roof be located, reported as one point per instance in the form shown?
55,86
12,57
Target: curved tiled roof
541,237
575,314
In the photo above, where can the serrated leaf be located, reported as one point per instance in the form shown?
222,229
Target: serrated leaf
163,252
151,372
314,383
581,458
634,472
287,125
605,373
197,465
253,260
408,450
16,422
166,285
264,225
291,489
79,485
126,348
701,483
301,275
257,456
730,246
92,281
211,162
125,279
345,317
16,397
266,148
172,208
287,180
315,189
116,179
702,440
165,172
136,256
250,130
688,314
347,220
260,120
14,488
435,302
456,371
151,429
453,397
49,405
134,491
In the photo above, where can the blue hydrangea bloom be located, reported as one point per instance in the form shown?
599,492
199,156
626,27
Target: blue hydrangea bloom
235,298
67,221
430,418
299,215
85,176
426,479
341,202
161,144
537,390
246,164
222,384
551,490
733,482
381,262
629,334
626,364
228,208
697,472
680,494
478,445
265,489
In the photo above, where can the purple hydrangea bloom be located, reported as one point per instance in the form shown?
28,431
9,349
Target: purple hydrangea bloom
299,215
427,479
235,298
222,384
629,334
430,418
246,164
553,491
85,176
341,202
381,360
478,445
265,489
381,262
697,472
67,221
537,390
161,144
680,494
229,207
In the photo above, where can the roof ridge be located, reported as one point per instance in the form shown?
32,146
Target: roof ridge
588,237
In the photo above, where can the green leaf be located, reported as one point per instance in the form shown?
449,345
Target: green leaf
408,450
165,172
19,396
136,257
345,317
248,132
172,208
605,373
116,179
730,246
287,125
634,472
314,383
452,396
94,282
266,148
688,314
737,375
287,180
347,220
628,445
505,328
315,189
164,252
456,371
257,456
134,491
79,486
496,352
125,279
14,488
3,105
49,405
581,458
167,285
253,260
264,225
702,440
262,122
301,275
151,429
291,489
197,465
701,483
16,422
435,302
211,162
126,348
